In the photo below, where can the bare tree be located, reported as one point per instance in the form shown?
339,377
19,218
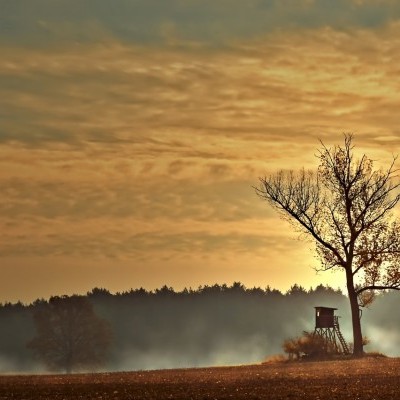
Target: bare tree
346,208
69,334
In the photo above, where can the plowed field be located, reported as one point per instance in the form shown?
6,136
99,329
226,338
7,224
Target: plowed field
351,379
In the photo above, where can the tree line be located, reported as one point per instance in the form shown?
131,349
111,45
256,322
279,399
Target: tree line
164,328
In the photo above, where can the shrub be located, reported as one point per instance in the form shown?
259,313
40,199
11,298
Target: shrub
308,345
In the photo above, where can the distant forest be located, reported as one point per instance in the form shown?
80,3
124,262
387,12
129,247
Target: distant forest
212,325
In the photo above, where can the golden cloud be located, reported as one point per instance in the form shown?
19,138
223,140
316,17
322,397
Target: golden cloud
107,148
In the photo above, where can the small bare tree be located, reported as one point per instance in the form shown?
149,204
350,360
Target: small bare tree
69,335
345,207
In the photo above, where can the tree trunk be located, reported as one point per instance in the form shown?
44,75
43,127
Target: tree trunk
355,317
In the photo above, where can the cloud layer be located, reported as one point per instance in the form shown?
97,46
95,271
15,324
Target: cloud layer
151,21
134,131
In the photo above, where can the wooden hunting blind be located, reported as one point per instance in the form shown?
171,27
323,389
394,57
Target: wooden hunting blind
327,326
324,317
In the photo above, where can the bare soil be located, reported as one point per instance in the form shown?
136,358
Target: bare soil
366,379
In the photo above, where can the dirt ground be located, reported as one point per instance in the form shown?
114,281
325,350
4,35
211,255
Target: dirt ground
364,379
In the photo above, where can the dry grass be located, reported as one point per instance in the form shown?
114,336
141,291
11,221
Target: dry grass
375,354
367,379
275,358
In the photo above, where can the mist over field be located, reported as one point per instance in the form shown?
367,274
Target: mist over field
214,325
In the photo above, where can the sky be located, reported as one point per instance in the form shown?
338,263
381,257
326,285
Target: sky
132,133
